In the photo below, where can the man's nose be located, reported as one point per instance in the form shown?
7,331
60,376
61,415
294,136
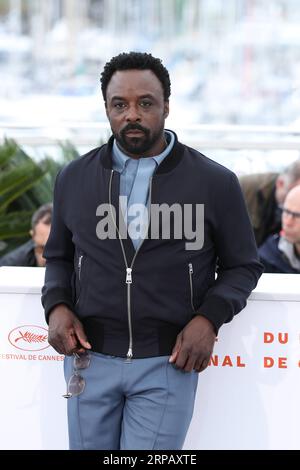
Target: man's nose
133,114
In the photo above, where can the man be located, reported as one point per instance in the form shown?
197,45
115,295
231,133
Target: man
281,253
143,302
31,252
264,193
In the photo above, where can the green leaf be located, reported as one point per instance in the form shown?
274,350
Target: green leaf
7,152
15,224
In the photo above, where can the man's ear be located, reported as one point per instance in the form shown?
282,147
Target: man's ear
31,233
166,109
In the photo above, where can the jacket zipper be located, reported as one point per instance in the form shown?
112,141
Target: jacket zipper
79,266
129,282
79,276
129,269
191,271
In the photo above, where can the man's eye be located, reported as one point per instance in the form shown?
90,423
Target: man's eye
145,104
119,105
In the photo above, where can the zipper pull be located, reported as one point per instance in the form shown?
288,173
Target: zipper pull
191,268
79,265
128,278
129,356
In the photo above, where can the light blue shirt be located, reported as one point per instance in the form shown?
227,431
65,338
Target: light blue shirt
136,174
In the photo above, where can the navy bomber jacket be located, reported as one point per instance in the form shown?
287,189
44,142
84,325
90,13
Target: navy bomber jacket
134,303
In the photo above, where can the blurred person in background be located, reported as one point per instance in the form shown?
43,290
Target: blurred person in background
31,253
264,194
281,253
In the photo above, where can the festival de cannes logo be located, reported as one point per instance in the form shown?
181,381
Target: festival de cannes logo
29,338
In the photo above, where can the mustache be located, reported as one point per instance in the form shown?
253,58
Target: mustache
134,127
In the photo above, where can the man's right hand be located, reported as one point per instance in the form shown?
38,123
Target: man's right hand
66,334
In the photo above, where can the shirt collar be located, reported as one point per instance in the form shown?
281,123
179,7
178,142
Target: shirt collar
120,158
288,250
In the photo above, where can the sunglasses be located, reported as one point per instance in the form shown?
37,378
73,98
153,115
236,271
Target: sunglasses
76,383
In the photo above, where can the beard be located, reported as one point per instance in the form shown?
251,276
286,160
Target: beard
137,145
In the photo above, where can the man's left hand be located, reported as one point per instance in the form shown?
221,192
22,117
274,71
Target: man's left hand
194,345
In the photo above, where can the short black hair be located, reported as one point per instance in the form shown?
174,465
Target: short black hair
42,214
139,61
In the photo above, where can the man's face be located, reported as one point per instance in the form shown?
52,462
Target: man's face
136,110
40,236
291,216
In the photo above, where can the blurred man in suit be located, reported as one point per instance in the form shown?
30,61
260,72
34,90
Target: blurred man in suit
264,193
31,253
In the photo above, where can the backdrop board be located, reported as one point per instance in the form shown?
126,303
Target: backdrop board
248,397
32,409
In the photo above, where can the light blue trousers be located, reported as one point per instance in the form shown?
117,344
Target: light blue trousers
145,404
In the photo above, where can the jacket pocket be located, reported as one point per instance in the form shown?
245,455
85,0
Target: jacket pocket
191,273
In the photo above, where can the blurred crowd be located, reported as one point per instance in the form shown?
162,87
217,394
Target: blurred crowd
273,201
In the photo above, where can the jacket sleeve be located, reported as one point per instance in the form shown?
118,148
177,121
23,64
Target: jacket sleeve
238,264
59,254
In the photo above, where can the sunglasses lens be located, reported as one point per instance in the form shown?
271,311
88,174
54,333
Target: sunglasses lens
76,385
82,361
